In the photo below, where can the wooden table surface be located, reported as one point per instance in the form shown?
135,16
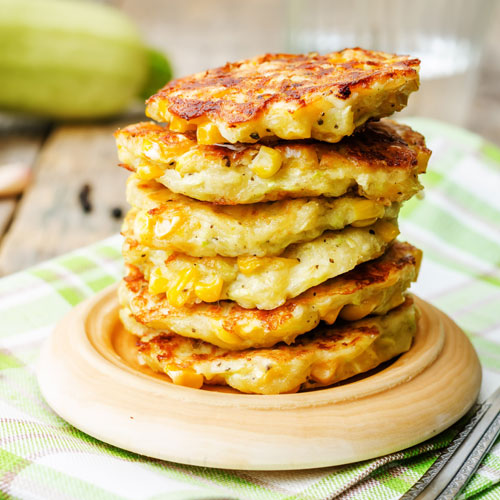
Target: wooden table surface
49,218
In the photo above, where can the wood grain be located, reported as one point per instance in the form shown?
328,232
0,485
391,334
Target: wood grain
16,148
94,387
7,208
50,219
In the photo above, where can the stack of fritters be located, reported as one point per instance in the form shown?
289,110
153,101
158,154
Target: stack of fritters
260,248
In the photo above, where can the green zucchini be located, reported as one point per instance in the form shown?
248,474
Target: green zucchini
73,59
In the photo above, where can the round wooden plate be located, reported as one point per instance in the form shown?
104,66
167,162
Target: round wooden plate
89,375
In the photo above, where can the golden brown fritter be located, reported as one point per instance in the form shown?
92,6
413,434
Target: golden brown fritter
324,97
322,357
380,162
374,287
262,282
166,220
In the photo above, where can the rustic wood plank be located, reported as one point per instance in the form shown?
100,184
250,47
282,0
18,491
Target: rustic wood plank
16,148
50,219
7,208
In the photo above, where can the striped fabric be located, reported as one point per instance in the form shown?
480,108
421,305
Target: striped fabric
43,457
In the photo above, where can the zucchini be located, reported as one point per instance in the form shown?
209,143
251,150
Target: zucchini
73,59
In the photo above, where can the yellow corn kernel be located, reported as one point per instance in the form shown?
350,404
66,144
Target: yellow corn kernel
227,336
209,292
149,172
364,222
157,283
331,316
151,150
367,209
386,230
178,293
178,124
187,163
143,223
353,312
208,133
248,265
163,228
323,373
187,378
161,107
418,259
267,162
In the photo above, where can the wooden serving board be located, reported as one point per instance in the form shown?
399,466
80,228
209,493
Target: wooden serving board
89,375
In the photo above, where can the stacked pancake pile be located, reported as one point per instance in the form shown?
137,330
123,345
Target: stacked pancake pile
260,248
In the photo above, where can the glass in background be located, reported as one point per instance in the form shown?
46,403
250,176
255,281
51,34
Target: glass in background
446,35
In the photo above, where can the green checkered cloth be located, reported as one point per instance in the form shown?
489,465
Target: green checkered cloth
43,457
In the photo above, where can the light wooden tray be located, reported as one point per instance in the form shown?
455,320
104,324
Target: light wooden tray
89,375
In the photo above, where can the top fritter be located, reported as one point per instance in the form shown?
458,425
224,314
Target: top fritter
324,97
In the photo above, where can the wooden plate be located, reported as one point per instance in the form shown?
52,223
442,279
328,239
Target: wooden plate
88,374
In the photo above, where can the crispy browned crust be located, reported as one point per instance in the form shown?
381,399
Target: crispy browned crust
237,92
323,339
377,145
164,346
384,269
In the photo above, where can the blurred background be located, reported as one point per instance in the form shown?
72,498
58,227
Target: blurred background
72,71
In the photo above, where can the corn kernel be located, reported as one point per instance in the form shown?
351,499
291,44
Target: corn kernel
209,292
248,265
178,124
364,222
151,150
178,294
208,133
367,209
161,107
164,228
149,172
267,162
143,223
157,283
331,316
228,337
418,259
187,378
353,312
386,230
323,373
187,163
